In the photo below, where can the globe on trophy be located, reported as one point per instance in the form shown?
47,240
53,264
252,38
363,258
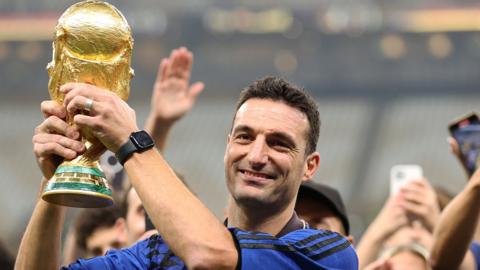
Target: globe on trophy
92,44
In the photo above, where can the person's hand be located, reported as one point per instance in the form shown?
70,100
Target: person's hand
455,149
110,118
390,219
380,264
419,199
172,96
55,140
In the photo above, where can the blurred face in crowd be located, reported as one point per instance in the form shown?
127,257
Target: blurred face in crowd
318,215
106,238
265,160
408,260
135,217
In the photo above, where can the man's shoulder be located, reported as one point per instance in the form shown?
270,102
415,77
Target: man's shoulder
324,248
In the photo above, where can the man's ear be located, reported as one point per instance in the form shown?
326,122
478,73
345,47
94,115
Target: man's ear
311,165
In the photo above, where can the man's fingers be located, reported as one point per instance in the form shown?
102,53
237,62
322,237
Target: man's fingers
454,146
80,103
162,70
196,89
63,141
52,148
53,124
181,64
51,107
86,121
73,90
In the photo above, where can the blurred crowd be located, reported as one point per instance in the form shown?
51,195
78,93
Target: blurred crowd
419,226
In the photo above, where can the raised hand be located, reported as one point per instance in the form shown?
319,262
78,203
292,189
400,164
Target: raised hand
54,139
172,95
419,199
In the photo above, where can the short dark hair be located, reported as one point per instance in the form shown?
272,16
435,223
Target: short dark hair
278,89
89,220
7,261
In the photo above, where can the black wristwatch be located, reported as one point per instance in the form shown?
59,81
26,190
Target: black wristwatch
138,142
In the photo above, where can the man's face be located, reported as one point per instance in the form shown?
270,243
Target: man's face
135,217
265,158
106,238
318,215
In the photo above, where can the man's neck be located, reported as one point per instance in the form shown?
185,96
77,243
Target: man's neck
271,222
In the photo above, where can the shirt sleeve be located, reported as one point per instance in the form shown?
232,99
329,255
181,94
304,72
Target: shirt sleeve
475,249
144,254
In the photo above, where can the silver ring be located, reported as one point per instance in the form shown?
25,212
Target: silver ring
88,105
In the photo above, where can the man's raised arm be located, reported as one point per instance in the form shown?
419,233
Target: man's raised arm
192,232
54,140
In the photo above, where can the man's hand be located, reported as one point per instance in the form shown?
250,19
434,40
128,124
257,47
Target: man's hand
54,139
172,95
390,219
110,118
419,199
455,149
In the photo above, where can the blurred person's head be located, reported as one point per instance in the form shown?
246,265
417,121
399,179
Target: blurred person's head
408,257
6,259
134,214
322,208
408,248
101,229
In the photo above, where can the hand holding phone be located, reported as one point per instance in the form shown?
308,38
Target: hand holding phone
466,132
401,175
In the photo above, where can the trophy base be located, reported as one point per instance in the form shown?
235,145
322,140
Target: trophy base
86,197
78,186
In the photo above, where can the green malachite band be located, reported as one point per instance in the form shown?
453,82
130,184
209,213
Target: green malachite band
78,169
77,186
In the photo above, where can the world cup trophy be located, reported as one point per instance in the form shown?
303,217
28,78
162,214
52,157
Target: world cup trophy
92,44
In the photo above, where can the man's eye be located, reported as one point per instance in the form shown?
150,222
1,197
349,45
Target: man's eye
243,137
279,144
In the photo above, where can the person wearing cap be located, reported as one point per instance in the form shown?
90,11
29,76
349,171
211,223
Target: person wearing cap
322,207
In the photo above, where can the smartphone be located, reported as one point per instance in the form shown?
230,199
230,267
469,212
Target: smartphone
400,175
466,132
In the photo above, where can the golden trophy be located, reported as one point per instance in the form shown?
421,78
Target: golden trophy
92,44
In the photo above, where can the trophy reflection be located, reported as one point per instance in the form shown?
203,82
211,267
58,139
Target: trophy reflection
92,44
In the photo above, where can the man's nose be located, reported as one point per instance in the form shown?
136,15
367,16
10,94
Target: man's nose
258,153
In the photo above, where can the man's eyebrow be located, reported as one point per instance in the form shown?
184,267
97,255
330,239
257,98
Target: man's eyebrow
242,128
284,136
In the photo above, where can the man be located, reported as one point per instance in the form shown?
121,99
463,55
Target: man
270,151
99,230
322,208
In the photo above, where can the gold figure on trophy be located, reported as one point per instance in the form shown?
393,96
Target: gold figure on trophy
93,44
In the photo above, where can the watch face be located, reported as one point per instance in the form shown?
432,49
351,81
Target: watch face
142,139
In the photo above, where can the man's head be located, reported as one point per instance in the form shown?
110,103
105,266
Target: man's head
322,207
271,146
101,229
134,215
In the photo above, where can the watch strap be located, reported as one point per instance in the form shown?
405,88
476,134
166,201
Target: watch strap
125,151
